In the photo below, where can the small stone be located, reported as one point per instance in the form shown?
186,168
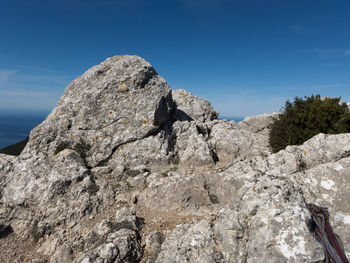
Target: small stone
108,251
26,156
86,260
103,227
63,254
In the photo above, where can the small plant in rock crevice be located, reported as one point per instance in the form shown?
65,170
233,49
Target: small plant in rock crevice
214,199
307,117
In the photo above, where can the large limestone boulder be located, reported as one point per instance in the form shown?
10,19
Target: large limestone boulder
119,101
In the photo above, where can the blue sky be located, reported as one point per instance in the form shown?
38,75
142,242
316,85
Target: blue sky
246,56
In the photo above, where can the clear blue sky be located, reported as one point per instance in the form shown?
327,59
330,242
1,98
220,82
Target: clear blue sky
246,56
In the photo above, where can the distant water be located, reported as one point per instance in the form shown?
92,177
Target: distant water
228,118
15,126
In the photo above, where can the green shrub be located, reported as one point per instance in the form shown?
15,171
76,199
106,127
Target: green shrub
304,118
16,148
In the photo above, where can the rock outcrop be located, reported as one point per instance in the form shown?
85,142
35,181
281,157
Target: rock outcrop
191,107
119,101
126,170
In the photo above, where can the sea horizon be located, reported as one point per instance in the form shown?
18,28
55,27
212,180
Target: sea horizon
15,125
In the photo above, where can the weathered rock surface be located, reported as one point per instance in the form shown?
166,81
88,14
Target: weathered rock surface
119,101
126,170
258,124
191,107
230,142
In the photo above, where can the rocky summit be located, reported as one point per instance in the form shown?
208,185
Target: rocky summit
124,169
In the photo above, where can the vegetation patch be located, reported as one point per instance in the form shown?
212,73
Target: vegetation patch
16,148
304,118
214,199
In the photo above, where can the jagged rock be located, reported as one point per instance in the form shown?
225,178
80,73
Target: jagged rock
192,108
327,184
119,101
127,219
119,240
153,242
37,180
182,140
191,144
128,243
108,252
230,142
269,222
321,148
259,123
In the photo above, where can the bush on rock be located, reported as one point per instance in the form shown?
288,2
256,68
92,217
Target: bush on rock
304,118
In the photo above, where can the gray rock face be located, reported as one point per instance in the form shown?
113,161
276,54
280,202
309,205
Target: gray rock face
157,149
7,163
191,146
119,101
319,149
117,173
258,124
190,243
179,140
191,107
230,142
